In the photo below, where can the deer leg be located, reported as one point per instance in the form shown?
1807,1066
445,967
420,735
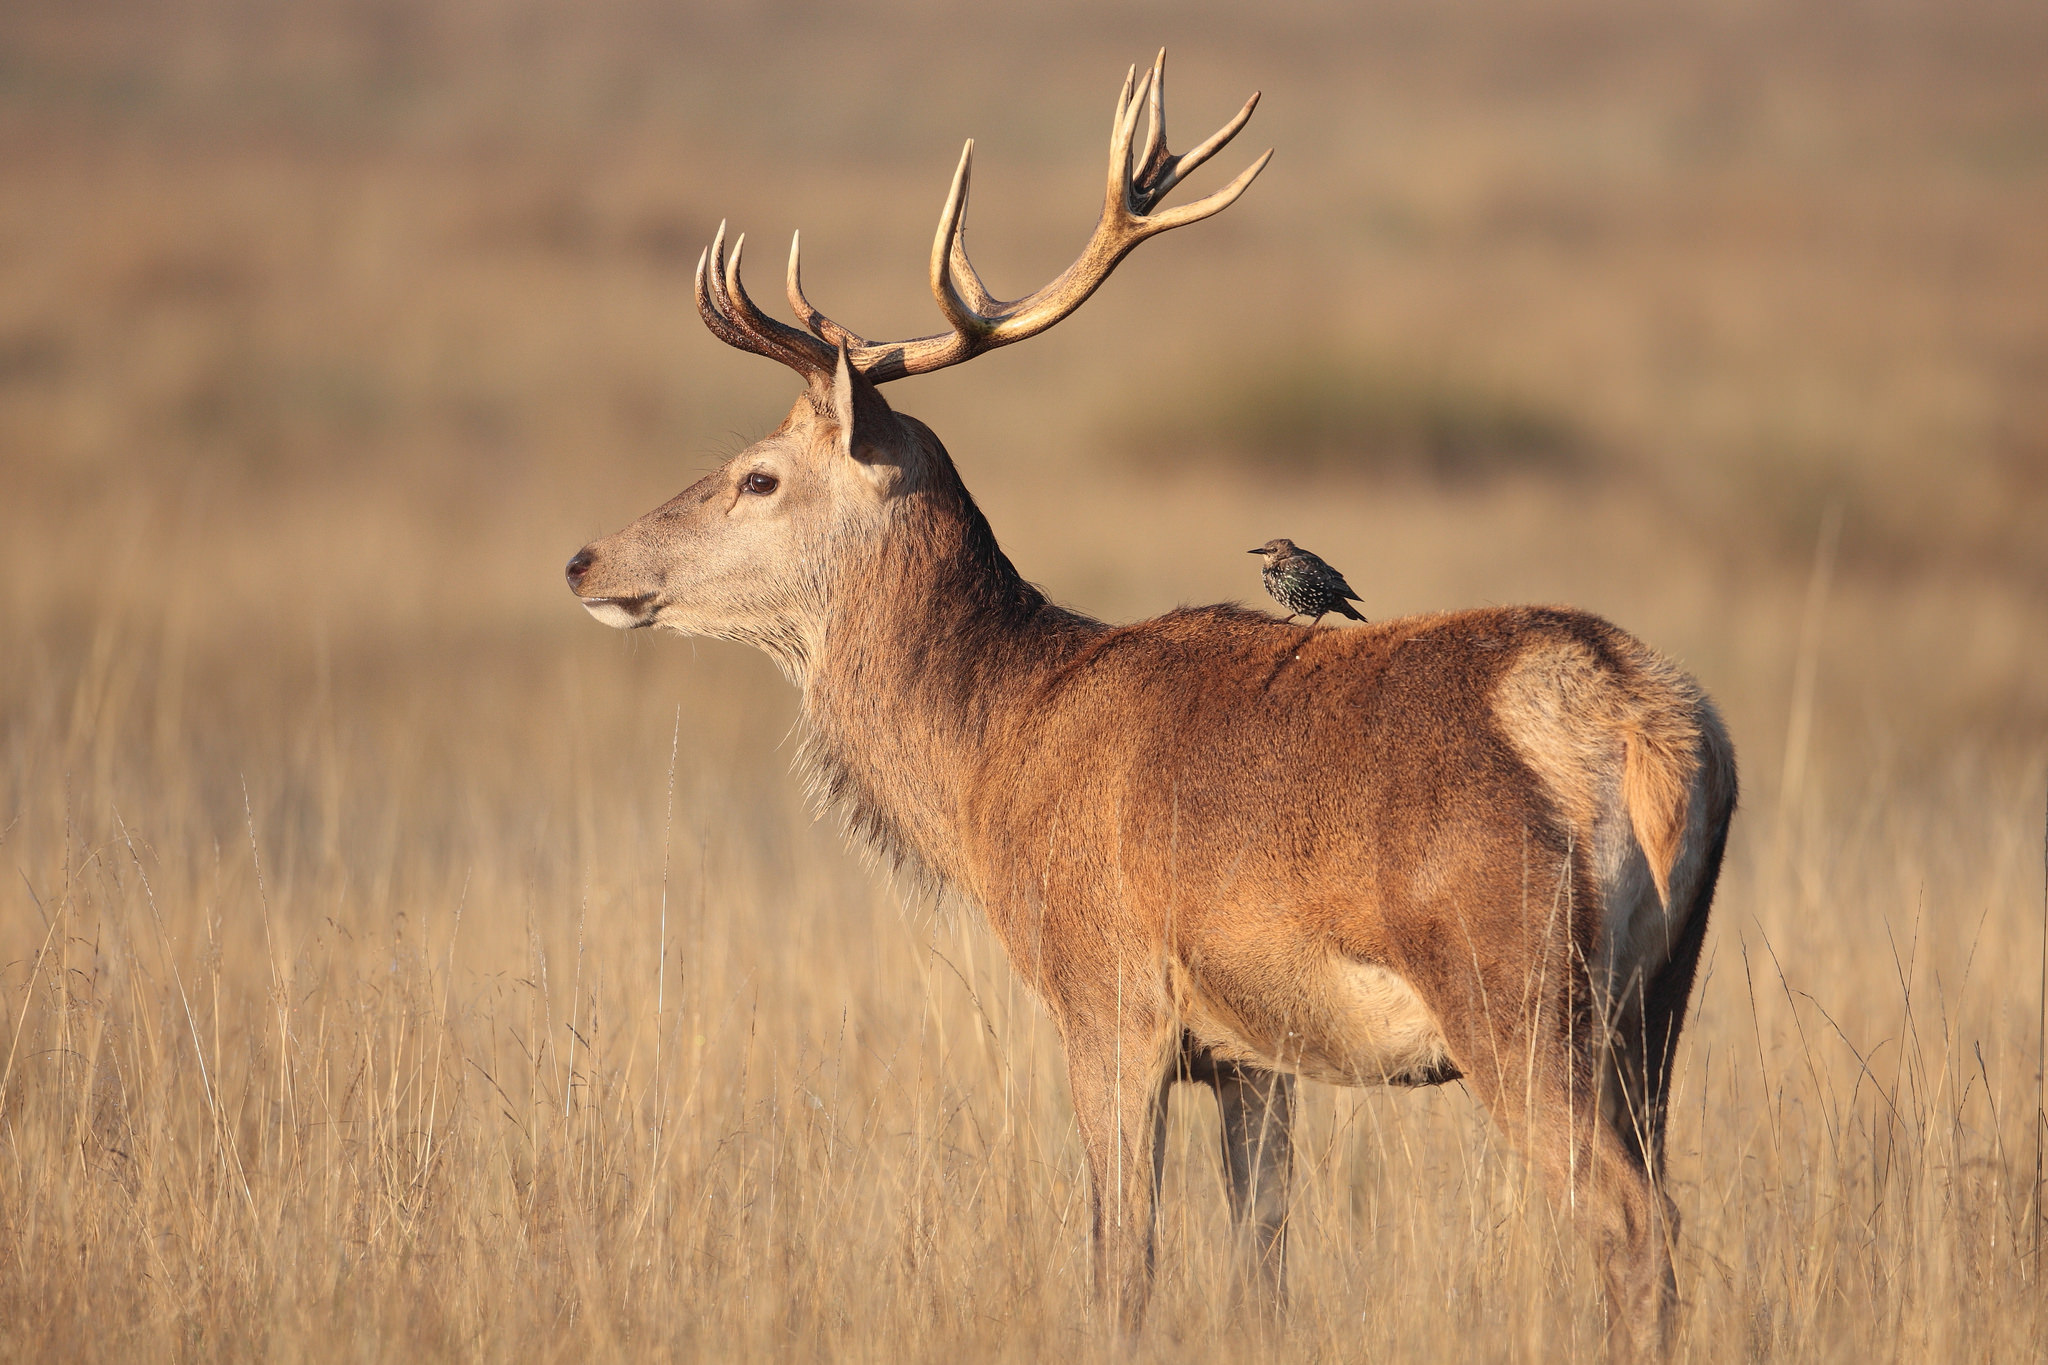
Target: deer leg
1625,1103
1257,1108
1636,1099
1634,1078
1632,1105
1650,1014
1598,1180
1120,1076
1647,1041
1601,1178
1542,1075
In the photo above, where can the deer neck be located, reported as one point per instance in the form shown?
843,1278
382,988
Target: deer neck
931,649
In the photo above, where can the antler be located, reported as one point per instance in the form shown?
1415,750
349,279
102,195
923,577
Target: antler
981,322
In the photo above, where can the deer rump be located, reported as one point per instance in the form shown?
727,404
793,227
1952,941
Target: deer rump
1329,841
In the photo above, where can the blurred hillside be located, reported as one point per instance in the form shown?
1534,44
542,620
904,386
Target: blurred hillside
338,310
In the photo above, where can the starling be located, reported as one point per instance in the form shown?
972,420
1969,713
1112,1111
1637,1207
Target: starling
1302,583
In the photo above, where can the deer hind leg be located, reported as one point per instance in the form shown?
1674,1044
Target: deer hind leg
1650,1015
1633,1077
1257,1111
1635,1096
1120,1074
1541,1074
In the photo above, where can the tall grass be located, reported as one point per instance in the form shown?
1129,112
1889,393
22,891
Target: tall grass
338,1024
393,963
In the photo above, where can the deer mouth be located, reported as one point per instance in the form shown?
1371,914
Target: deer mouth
624,613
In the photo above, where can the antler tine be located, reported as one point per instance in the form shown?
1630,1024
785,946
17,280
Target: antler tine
970,317
1209,206
710,264
1123,102
1120,144
802,352
957,270
1177,167
1155,153
714,257
1158,169
807,313
803,349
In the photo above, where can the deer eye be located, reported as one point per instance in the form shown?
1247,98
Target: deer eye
758,482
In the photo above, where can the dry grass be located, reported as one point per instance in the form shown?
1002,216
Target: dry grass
395,964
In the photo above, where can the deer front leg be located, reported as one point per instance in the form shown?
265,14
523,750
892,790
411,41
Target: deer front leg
1257,1108
1119,1072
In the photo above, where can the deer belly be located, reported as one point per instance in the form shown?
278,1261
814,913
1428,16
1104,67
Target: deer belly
1355,1023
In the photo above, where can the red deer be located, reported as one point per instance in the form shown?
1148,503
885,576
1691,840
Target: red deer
1476,845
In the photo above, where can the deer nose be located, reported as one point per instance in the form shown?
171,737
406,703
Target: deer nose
578,566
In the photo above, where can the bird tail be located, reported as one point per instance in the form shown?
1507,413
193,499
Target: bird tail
1346,609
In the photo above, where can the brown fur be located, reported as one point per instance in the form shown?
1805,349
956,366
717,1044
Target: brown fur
1476,844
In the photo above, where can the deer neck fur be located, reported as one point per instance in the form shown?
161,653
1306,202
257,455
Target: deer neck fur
931,649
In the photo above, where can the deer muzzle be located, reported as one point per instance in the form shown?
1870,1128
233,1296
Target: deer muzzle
626,612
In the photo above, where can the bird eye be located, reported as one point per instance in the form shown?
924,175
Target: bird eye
758,482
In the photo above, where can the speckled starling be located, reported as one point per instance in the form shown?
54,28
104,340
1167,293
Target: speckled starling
1302,583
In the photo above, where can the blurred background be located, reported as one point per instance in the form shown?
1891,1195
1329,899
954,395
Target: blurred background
328,330
327,317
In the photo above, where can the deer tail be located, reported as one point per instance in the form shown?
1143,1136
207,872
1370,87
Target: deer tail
1662,760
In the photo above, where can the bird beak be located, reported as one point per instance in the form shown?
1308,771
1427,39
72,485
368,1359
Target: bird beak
1259,551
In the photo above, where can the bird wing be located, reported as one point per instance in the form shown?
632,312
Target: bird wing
1320,567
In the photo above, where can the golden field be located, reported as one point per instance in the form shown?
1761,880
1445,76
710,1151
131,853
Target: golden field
395,964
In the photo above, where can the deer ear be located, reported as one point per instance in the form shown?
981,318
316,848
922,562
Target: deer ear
868,430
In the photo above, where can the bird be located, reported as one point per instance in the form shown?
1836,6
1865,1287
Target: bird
1301,582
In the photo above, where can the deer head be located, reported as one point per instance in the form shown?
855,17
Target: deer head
756,550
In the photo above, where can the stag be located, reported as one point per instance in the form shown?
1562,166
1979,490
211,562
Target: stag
1221,849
